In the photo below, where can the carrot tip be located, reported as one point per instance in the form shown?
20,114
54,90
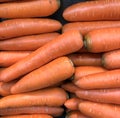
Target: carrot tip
58,1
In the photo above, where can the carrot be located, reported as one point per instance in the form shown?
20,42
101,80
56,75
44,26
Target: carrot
70,87
102,40
64,44
86,70
45,97
93,11
6,0
108,79
85,27
58,70
98,110
7,58
22,27
5,87
75,114
32,42
54,111
86,59
110,60
72,103
29,116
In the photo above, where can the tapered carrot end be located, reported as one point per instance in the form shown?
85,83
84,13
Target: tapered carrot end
77,83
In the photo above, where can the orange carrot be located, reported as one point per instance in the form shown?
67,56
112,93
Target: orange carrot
70,87
101,96
31,42
108,79
110,60
98,110
40,8
72,103
85,27
102,40
86,59
93,11
45,97
22,27
7,58
64,44
58,70
54,111
75,114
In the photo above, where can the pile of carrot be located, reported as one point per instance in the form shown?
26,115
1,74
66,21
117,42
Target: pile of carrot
46,66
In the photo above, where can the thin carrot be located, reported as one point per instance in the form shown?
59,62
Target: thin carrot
64,44
54,111
31,42
98,110
58,70
110,60
86,59
22,27
102,40
7,58
85,27
93,11
108,79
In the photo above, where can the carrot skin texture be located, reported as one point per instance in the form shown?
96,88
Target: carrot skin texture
59,69
102,40
54,111
99,110
110,60
93,11
22,27
29,43
86,59
64,44
108,79
8,58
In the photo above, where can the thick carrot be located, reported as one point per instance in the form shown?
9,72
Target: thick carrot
64,44
45,97
7,58
102,40
70,87
58,70
93,11
29,116
85,27
101,96
22,27
54,111
75,114
110,60
40,8
72,103
99,110
31,42
86,59
108,79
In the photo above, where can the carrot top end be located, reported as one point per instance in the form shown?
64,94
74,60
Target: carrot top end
103,61
58,2
87,43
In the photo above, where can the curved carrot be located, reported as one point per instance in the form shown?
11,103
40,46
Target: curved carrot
45,97
7,58
31,42
85,27
64,44
93,11
40,8
22,27
54,111
58,70
102,40
98,110
108,79
110,60
86,59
